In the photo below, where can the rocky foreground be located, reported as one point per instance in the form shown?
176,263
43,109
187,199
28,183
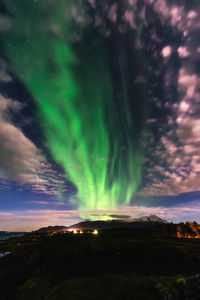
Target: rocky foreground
134,263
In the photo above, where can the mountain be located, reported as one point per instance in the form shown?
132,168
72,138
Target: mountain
145,221
151,218
52,228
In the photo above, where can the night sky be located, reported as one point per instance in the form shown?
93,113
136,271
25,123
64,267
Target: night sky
99,111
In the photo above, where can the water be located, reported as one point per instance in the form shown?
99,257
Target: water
2,254
6,235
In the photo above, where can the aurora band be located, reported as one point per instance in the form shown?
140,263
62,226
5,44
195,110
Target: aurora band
70,80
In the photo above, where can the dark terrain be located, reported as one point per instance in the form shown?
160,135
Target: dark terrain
132,263
4,235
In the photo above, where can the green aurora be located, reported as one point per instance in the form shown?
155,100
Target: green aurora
67,72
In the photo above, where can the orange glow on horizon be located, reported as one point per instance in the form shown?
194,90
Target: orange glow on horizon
190,230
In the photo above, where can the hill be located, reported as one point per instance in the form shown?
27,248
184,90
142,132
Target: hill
145,221
136,263
51,229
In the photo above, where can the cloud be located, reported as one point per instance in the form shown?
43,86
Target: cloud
166,51
173,160
172,14
174,167
39,202
4,74
183,52
29,220
120,216
20,159
129,18
112,15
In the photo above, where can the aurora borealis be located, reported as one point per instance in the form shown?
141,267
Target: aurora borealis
74,92
103,97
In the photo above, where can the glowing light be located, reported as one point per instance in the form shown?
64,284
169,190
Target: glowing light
75,231
95,232
194,228
73,89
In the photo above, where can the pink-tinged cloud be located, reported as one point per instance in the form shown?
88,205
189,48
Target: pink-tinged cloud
34,219
20,159
166,51
176,167
183,52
